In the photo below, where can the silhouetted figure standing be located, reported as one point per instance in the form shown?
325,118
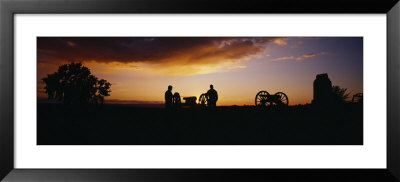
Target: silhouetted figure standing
168,98
212,96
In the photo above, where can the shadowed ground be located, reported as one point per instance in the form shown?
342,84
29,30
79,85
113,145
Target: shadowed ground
233,125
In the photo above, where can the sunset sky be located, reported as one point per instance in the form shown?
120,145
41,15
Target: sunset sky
141,68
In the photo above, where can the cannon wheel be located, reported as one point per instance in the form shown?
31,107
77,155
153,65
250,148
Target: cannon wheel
283,98
262,98
176,100
203,99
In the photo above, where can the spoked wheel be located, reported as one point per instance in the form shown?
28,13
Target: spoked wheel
262,98
282,99
176,100
203,99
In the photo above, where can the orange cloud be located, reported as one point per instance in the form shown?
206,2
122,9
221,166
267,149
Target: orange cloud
309,55
299,58
70,43
181,54
284,58
280,41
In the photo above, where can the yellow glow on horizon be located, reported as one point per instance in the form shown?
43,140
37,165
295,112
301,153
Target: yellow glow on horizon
145,85
237,68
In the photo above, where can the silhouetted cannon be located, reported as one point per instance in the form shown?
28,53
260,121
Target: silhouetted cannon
190,101
263,98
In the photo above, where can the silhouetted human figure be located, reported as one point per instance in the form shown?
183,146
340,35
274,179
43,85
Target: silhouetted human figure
168,98
212,96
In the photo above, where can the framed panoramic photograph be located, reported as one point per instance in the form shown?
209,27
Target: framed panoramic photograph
199,91
130,106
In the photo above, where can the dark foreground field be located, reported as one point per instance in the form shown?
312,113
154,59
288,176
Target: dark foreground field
236,125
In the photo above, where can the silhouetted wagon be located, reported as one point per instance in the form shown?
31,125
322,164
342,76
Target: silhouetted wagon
263,98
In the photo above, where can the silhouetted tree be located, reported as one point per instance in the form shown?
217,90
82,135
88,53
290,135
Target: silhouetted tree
73,83
339,94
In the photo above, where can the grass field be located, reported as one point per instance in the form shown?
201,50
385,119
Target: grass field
231,125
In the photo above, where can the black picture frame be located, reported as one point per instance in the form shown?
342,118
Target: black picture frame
8,8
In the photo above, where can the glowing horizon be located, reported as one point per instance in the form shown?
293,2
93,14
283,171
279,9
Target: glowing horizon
141,68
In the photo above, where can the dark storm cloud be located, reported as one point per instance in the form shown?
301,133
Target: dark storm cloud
158,50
